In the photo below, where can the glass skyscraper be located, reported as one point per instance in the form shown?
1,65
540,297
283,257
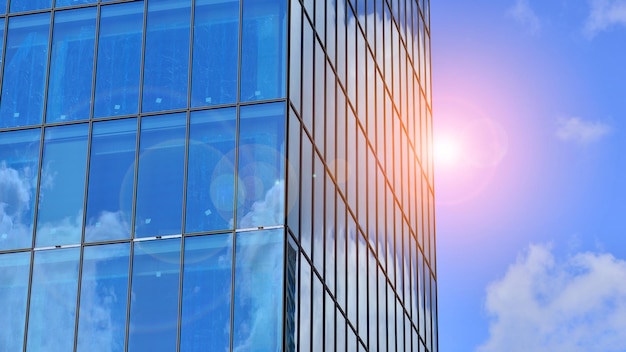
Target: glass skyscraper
216,175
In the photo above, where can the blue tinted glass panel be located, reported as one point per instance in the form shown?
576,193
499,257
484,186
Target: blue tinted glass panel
258,291
263,51
111,178
19,160
14,270
3,7
27,5
53,293
71,66
167,55
261,184
207,277
119,60
211,171
154,303
160,179
24,70
62,185
60,3
215,47
103,292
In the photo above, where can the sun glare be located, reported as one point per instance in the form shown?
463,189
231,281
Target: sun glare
447,151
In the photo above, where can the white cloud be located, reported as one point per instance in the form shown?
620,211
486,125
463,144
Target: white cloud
580,131
603,15
524,15
571,305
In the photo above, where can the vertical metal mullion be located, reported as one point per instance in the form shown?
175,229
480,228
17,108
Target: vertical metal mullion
237,128
136,177
185,176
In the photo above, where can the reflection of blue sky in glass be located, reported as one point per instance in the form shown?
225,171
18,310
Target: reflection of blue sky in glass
62,185
52,307
111,176
14,274
154,296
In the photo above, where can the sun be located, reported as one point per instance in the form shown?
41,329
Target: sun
447,151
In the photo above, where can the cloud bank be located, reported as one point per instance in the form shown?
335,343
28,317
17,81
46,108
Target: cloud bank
603,15
523,14
575,129
543,304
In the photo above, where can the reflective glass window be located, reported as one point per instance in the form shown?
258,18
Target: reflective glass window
14,270
154,296
53,293
161,173
3,7
2,21
62,185
19,160
25,65
59,3
167,55
258,291
103,292
71,66
111,176
215,52
261,165
119,59
211,170
28,5
207,278
263,52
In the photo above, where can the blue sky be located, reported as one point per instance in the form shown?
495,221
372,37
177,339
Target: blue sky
531,212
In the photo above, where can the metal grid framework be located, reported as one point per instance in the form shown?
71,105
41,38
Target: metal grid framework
358,257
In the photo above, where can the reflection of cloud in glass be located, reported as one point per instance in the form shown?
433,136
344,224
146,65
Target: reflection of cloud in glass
15,199
267,211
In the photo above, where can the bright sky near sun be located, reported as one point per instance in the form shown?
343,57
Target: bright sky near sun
530,163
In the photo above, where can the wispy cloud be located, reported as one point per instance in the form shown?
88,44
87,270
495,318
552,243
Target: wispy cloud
545,304
604,14
583,132
522,13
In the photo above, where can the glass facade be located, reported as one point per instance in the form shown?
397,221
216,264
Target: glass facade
210,175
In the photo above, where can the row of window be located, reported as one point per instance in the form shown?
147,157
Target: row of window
117,179
147,296
65,51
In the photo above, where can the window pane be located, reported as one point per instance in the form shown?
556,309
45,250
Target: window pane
60,3
62,185
119,59
27,5
261,165
19,160
24,69
14,270
111,176
211,171
263,50
207,277
167,55
3,6
103,292
154,303
71,66
215,47
52,308
258,291
160,180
